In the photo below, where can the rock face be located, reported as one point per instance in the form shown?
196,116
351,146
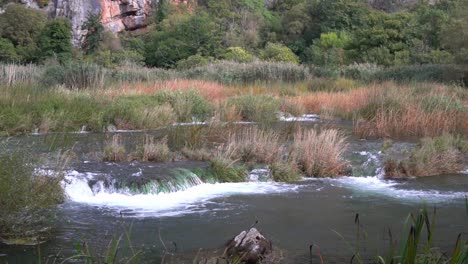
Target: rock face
251,247
120,15
116,15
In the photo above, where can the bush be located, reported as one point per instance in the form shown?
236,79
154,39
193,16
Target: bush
256,108
278,52
192,62
26,196
238,54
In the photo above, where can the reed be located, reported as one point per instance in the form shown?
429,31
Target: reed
319,154
433,156
11,74
254,145
114,150
156,151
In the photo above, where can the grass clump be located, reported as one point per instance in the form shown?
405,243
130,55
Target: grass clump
27,197
256,108
433,156
188,105
226,170
156,151
319,154
285,172
114,150
254,145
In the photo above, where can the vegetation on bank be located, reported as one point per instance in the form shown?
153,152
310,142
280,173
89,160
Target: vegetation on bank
28,196
329,34
434,156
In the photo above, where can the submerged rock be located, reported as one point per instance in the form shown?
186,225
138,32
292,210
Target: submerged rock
260,175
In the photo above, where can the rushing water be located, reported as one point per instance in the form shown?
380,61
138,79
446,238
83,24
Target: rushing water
196,214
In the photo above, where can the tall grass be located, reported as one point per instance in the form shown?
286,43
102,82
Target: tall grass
212,91
419,110
433,156
114,149
254,145
11,74
28,197
319,154
242,73
156,151
75,75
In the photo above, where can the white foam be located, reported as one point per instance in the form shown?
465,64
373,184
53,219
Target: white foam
393,189
165,204
303,118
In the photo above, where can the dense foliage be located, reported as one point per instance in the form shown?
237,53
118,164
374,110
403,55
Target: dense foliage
332,33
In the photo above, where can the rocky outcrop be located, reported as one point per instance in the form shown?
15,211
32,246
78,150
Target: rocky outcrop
120,15
116,15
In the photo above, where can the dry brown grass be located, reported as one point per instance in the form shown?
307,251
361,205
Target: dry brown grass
412,122
156,150
345,102
253,145
319,154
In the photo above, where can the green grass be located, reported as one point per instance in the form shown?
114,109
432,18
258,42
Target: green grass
27,198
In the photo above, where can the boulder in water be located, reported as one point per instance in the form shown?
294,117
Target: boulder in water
250,247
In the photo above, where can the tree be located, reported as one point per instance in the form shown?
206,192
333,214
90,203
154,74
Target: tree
7,51
55,40
22,26
94,33
455,34
329,50
181,37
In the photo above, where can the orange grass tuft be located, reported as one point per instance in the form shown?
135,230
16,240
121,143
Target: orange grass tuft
337,102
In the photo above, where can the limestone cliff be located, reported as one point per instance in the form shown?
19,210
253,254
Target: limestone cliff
116,15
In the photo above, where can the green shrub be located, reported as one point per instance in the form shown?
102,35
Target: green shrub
278,52
238,54
193,61
256,108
